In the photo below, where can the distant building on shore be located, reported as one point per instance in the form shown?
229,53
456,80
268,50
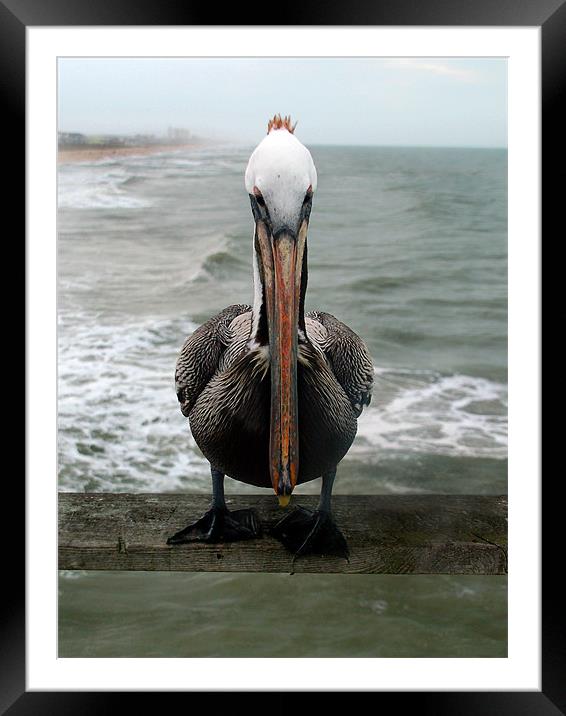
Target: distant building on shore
76,139
176,135
65,139
142,140
107,140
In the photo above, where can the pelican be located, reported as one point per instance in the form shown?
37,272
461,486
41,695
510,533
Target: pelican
272,393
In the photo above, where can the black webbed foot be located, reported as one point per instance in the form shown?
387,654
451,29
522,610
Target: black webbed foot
220,525
305,532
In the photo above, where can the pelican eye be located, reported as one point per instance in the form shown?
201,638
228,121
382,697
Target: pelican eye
308,195
258,196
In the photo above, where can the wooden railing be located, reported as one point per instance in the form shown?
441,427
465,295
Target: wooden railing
386,534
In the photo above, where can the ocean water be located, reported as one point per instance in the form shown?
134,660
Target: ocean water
408,246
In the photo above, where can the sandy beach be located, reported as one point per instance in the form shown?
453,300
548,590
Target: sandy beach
93,154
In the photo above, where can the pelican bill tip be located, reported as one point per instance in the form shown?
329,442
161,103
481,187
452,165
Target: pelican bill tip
284,500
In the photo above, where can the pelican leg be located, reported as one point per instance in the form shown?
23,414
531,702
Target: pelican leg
304,532
219,524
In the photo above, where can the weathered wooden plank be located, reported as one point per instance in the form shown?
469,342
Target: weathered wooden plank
387,534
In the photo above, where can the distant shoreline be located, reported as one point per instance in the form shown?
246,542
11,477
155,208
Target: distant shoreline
85,153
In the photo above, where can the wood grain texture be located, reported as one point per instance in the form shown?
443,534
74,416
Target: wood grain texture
387,534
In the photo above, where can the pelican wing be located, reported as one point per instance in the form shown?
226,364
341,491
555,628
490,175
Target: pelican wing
347,354
205,351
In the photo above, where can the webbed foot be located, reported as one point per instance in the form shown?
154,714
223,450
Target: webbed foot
220,525
306,532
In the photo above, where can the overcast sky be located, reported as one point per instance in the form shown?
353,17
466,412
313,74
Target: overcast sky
367,101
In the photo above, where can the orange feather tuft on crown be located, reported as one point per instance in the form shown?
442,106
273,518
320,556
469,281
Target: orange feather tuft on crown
279,122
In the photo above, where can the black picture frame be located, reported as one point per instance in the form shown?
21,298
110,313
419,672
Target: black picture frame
550,16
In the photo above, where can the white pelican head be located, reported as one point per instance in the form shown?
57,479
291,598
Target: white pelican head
281,177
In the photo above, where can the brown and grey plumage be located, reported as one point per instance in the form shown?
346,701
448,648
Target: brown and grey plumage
222,384
272,393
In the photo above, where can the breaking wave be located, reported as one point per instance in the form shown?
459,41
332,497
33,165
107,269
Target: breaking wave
427,412
102,186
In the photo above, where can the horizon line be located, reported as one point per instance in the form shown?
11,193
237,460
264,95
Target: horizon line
203,140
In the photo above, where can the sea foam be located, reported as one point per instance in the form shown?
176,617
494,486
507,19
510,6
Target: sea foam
96,186
427,412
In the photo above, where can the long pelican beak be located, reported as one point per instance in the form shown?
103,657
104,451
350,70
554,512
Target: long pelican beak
282,259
